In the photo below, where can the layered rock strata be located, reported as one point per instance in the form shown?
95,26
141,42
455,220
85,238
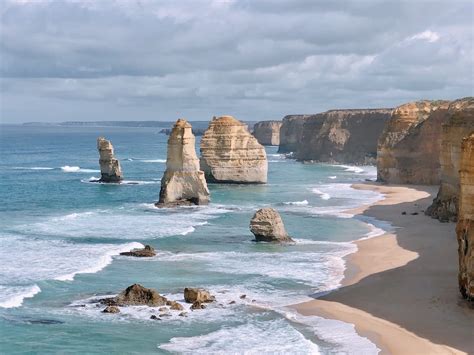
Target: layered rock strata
465,225
291,132
342,136
459,124
182,183
267,226
110,170
409,147
267,132
230,154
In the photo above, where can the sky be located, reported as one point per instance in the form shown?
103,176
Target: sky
254,59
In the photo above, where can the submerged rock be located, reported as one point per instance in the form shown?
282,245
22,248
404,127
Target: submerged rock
192,295
110,170
267,132
111,309
465,225
459,124
175,306
230,154
267,226
146,252
197,305
136,295
409,147
182,183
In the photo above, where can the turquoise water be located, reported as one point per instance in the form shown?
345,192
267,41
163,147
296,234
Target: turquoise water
61,234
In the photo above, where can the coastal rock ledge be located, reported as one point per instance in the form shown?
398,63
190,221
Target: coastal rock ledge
465,225
110,170
230,154
182,183
267,226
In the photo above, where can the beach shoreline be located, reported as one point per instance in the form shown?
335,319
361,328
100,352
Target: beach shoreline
400,288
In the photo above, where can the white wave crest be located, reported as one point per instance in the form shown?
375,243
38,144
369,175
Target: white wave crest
12,297
297,203
323,195
77,169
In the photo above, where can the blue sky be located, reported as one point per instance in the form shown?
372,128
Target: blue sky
160,60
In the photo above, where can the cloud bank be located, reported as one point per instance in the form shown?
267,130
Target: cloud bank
159,60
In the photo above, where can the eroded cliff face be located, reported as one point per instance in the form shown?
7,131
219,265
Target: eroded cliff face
459,124
182,183
110,170
465,226
342,136
409,147
230,154
267,132
291,132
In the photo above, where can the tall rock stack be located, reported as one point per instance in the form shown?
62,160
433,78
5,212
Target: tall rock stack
342,136
459,124
409,147
267,132
230,154
110,171
182,183
465,226
291,132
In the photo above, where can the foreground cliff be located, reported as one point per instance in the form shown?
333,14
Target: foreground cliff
342,136
182,183
267,132
465,226
409,147
459,124
230,154
110,171
291,132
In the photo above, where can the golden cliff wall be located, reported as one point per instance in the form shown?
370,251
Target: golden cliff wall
459,124
465,226
409,147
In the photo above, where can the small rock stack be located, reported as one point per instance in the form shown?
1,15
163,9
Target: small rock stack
267,226
110,171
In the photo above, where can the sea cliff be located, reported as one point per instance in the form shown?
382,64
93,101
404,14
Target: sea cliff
267,132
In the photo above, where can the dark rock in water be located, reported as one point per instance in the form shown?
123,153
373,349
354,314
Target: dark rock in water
404,213
414,213
111,309
136,295
147,252
198,305
192,295
243,297
232,302
43,321
183,314
154,317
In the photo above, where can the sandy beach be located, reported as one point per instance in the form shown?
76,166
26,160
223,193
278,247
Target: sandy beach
400,289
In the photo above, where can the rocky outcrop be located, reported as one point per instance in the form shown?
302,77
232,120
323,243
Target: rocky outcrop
267,226
109,166
409,147
459,124
136,295
147,252
465,226
291,132
342,136
111,309
193,295
230,154
267,132
182,183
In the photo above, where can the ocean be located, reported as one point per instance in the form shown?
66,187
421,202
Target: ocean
61,234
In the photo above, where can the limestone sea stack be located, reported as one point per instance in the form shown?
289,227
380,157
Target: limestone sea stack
291,132
267,226
230,154
459,124
182,183
409,147
342,136
267,132
110,170
465,226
